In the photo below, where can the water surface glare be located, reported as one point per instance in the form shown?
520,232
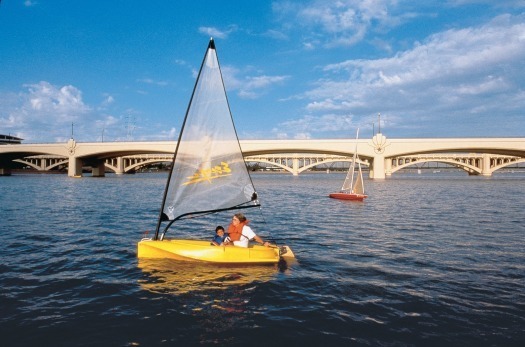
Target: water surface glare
431,259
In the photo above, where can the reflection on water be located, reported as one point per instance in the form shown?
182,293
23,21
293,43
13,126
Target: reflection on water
218,297
166,276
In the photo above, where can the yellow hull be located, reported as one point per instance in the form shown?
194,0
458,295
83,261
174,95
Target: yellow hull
203,251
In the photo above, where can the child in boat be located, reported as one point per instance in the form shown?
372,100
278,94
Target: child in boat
219,237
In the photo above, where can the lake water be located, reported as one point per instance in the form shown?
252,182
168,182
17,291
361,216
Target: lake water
430,259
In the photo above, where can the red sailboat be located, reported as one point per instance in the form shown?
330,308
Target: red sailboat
353,187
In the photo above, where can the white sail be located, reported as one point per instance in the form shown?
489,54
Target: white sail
359,187
349,179
208,172
348,184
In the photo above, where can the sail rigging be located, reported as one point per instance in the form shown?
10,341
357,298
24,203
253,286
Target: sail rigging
348,184
208,172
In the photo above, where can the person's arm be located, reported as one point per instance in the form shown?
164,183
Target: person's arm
258,239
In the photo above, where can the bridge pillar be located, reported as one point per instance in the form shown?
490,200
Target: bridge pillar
5,172
75,167
485,165
120,166
377,170
295,166
98,169
388,167
44,164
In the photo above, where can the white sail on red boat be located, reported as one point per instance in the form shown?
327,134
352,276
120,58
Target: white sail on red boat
208,175
353,187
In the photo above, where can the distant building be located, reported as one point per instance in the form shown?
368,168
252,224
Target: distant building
8,139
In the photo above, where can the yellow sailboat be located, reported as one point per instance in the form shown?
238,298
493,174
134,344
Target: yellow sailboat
208,175
199,250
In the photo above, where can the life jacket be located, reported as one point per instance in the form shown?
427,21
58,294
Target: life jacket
235,232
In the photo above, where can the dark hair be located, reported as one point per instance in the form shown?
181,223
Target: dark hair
219,227
240,217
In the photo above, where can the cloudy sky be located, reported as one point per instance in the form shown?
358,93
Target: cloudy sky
124,70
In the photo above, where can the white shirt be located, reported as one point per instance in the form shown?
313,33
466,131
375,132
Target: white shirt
247,235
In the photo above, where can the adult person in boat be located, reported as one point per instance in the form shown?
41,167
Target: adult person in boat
239,233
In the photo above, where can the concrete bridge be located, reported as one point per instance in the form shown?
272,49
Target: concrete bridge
478,156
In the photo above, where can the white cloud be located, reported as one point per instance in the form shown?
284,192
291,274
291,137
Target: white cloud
302,136
108,100
335,23
108,121
468,73
323,124
500,3
64,102
43,111
152,81
275,34
249,87
173,133
217,33
279,134
161,134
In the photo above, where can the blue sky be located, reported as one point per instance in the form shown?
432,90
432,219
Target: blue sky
124,70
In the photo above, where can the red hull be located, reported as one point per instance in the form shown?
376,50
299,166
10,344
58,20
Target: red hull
348,196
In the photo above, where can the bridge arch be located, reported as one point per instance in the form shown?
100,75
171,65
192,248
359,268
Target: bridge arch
43,164
284,167
143,163
473,163
347,160
52,166
111,167
464,166
505,164
28,163
296,165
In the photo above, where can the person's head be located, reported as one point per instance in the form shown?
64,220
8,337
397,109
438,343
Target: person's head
238,218
219,230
